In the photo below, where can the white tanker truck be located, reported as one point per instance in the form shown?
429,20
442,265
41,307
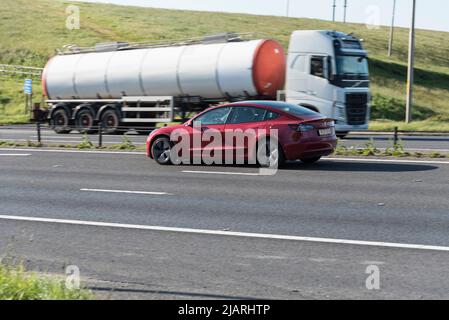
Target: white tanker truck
138,86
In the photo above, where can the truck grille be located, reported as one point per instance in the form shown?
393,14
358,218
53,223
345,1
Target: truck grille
356,108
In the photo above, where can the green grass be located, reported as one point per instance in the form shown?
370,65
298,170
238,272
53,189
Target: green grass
30,31
17,284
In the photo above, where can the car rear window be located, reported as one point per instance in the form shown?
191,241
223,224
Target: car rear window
293,109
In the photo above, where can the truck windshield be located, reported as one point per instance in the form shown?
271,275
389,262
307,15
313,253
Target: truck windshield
352,65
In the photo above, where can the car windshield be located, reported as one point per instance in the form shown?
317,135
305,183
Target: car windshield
352,65
293,109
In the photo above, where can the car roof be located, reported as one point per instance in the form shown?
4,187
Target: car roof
262,103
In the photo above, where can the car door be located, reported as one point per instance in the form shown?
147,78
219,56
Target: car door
319,91
242,131
205,128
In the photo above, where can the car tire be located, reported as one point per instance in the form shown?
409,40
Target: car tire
160,151
342,135
277,154
310,160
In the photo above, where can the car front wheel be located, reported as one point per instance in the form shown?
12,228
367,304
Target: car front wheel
160,150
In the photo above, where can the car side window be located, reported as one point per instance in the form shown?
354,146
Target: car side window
317,67
216,116
271,115
246,114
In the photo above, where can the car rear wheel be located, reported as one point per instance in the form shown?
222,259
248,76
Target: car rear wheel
270,155
310,160
342,135
160,150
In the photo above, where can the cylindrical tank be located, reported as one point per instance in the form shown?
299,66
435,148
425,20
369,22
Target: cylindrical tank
211,71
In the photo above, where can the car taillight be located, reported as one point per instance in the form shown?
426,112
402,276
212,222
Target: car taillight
305,127
302,127
330,123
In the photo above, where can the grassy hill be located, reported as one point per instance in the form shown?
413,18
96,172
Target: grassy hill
30,31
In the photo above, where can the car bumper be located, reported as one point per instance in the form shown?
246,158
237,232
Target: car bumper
310,148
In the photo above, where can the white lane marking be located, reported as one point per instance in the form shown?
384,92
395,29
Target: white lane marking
53,137
15,154
221,173
126,191
387,160
228,233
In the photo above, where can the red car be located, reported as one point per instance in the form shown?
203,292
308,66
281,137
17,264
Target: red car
302,134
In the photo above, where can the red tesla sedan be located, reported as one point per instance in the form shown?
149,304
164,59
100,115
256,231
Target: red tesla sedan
298,134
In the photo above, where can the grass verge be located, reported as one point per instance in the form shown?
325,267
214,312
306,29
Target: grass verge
396,151
418,126
17,284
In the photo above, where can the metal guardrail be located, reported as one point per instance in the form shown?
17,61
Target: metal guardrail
20,71
400,133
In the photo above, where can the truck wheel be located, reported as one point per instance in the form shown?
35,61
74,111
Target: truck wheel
310,160
85,121
59,122
111,122
160,150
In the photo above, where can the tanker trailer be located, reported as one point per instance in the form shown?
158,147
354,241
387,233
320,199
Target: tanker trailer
138,86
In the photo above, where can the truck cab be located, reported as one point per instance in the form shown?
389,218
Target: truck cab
327,71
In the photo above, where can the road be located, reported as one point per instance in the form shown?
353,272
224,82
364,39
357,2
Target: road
309,232
28,132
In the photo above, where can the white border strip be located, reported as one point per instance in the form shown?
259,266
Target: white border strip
14,154
126,191
222,173
143,153
228,233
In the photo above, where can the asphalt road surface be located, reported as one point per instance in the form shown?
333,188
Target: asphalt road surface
28,132
139,230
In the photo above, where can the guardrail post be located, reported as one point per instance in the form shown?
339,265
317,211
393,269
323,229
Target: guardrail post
38,128
100,134
395,138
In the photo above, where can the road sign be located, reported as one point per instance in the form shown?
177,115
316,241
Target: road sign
28,86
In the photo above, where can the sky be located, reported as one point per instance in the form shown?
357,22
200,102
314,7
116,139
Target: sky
431,14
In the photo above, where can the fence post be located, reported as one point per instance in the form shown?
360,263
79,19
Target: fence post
100,134
38,128
395,139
